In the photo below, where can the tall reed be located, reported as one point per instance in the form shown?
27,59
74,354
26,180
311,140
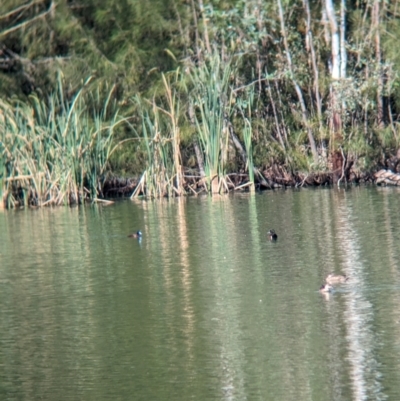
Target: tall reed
53,152
211,98
160,133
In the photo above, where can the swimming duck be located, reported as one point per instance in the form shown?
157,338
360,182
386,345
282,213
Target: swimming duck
326,288
336,279
272,235
137,234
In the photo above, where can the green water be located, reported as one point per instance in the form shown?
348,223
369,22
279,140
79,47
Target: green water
204,307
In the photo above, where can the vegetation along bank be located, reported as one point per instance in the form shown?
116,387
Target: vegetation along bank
174,97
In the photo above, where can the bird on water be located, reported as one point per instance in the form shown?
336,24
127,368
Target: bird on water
326,288
336,279
137,234
272,235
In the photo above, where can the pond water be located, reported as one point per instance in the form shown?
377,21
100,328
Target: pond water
204,307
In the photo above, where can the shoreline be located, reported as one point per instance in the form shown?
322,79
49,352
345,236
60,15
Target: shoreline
195,185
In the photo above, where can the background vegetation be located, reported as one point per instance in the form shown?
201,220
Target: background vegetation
189,95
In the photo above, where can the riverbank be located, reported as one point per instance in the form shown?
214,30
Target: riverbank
273,178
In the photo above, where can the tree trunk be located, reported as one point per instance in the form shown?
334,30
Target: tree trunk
309,40
343,53
338,72
296,85
335,42
378,57
336,121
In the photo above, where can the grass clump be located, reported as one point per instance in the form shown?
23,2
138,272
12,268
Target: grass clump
53,152
211,99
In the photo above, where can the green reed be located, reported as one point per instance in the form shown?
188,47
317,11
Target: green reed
53,152
211,98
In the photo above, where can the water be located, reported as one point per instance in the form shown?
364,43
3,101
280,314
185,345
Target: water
204,307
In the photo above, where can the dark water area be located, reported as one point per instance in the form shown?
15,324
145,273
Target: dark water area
204,307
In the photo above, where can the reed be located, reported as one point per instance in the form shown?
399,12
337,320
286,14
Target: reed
211,98
53,152
160,134
244,107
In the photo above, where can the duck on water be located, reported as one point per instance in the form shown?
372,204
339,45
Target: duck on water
326,288
138,234
336,279
272,235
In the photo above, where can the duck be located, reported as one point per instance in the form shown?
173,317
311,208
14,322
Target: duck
336,279
137,234
272,235
326,288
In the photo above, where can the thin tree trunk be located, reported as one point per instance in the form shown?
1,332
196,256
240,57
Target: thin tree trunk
335,40
196,31
278,93
336,122
325,23
296,85
313,61
375,24
343,53
366,102
388,105
206,38
337,106
275,114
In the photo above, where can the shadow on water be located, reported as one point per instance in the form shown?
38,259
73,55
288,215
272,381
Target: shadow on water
204,306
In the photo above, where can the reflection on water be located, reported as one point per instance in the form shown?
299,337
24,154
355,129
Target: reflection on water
204,307
358,313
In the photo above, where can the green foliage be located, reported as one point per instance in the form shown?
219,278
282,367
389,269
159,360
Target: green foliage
115,41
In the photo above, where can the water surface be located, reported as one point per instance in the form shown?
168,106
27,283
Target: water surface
204,307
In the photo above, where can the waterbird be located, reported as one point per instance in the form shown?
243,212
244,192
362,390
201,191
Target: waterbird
137,234
336,279
272,235
326,288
